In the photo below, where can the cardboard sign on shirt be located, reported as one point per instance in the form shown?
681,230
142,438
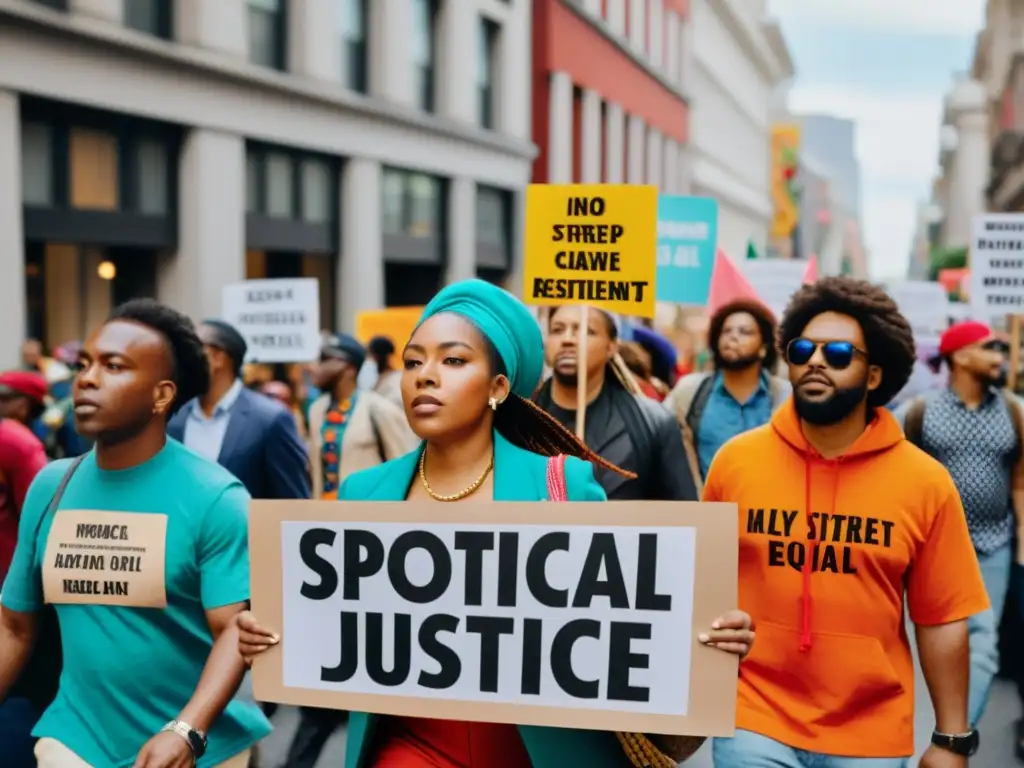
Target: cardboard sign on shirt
106,558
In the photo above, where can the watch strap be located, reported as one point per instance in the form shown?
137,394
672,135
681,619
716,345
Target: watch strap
195,739
964,744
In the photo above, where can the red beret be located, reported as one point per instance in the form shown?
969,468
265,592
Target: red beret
963,335
30,385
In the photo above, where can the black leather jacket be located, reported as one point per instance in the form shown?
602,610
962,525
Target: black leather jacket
635,433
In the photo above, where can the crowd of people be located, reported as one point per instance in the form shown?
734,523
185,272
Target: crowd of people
850,514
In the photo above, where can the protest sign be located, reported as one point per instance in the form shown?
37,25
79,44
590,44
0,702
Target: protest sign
396,323
997,265
925,305
106,558
279,319
591,244
775,280
687,237
536,614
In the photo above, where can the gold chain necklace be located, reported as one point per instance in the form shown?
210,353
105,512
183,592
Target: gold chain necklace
455,496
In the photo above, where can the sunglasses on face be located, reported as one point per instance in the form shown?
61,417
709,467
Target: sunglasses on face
838,354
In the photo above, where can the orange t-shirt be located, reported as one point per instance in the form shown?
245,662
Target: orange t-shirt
418,742
828,548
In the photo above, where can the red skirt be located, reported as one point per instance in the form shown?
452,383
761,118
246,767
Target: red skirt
414,742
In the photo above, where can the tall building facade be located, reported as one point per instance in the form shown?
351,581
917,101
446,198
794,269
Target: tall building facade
168,148
739,60
609,92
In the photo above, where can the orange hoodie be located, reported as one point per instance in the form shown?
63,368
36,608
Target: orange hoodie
827,550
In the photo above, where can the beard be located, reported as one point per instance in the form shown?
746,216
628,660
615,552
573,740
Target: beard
739,363
827,412
565,378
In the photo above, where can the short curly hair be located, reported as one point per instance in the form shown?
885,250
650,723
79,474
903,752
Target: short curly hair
765,323
887,334
190,370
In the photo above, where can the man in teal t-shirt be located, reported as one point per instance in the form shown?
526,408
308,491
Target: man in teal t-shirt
135,641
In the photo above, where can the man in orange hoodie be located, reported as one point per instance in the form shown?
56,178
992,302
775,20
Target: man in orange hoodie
842,523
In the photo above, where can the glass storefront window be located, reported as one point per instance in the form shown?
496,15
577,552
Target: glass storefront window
424,208
392,202
252,182
153,177
36,164
316,191
491,224
280,187
94,170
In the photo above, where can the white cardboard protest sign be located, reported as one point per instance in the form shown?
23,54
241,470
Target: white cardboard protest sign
775,280
279,318
997,265
535,614
925,305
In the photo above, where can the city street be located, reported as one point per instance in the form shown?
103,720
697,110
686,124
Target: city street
996,734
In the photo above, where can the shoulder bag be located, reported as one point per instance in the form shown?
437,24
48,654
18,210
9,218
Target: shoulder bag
40,678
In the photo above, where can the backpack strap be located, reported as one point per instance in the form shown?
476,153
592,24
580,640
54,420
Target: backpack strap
1017,419
913,424
695,412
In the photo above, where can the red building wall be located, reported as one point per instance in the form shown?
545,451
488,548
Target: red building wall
563,41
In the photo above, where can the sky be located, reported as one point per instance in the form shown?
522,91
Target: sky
886,64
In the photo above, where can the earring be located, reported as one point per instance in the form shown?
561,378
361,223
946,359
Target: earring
493,403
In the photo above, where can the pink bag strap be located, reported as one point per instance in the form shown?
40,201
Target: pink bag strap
557,490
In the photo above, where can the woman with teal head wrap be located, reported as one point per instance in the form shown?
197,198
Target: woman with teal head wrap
470,367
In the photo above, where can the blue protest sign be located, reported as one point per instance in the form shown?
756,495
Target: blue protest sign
687,237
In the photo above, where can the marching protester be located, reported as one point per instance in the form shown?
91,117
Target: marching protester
23,397
840,517
150,664
470,368
389,379
741,393
350,430
974,429
21,458
627,429
249,434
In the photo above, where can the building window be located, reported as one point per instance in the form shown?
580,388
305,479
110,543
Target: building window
411,204
94,170
316,191
355,31
150,16
493,234
487,38
36,164
280,186
57,5
153,183
267,32
424,51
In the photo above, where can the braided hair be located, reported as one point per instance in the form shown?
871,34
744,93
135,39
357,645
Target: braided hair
526,425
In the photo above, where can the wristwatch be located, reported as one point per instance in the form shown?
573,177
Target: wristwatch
964,744
196,739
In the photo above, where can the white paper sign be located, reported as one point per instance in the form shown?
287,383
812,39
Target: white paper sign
280,319
997,265
775,280
559,616
925,305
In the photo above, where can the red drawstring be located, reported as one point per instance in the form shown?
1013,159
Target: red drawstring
812,556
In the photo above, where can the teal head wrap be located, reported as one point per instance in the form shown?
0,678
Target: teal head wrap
504,320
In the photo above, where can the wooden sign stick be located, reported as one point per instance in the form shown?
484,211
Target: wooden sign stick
581,374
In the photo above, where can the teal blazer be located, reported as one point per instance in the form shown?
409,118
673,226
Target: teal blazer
518,476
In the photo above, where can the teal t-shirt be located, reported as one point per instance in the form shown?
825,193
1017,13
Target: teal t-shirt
129,671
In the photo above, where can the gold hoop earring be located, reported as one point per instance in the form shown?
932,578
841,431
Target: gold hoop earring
493,403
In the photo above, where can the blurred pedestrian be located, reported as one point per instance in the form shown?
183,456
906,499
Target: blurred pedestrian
389,378
974,429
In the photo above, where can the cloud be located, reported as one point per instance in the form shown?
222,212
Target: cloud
922,17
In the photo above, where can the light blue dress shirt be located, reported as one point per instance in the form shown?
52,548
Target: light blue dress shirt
205,435
724,418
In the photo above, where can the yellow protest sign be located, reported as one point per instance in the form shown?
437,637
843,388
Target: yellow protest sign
592,244
396,323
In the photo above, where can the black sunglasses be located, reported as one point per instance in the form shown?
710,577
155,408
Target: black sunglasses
838,354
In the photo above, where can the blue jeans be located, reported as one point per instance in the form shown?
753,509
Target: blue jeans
752,750
984,629
17,718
